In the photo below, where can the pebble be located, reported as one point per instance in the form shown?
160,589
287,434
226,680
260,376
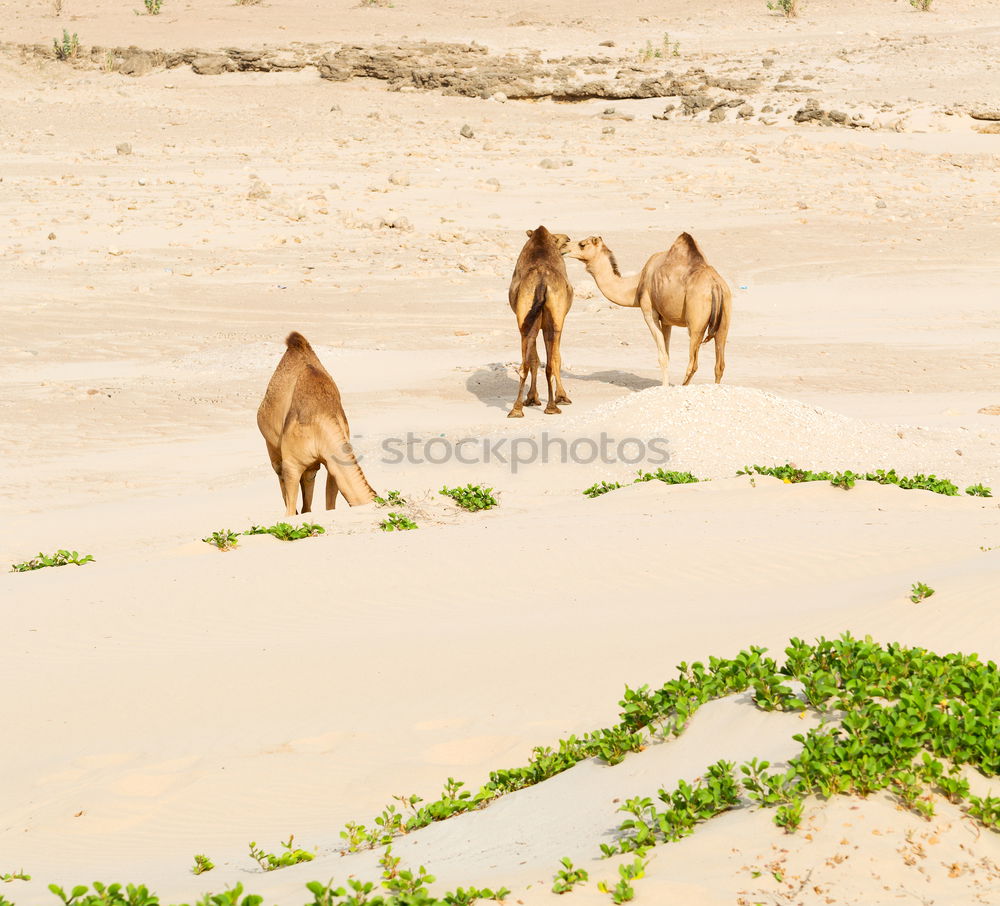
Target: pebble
466,131
399,178
123,148
549,164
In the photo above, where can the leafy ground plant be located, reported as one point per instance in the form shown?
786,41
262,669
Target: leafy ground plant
397,522
923,5
789,7
18,875
59,558
292,855
978,490
69,48
106,895
919,591
153,7
623,891
602,487
283,531
568,877
202,864
666,477
472,497
224,539
392,498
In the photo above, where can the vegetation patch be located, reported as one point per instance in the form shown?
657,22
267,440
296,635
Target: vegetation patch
292,855
472,497
59,558
397,522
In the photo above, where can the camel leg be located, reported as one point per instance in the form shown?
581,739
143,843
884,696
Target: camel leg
533,398
659,337
331,490
274,454
291,475
307,482
549,333
527,341
720,350
696,335
556,355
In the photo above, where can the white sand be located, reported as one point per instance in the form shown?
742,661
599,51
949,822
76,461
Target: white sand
169,699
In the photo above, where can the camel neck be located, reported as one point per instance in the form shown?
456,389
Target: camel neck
614,287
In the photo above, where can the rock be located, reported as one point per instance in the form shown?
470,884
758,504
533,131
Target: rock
258,190
549,164
990,410
399,178
745,111
123,148
499,97
398,223
567,163
837,116
212,64
466,131
879,203
767,62
52,235
985,113
138,64
717,115
608,111
607,44
608,130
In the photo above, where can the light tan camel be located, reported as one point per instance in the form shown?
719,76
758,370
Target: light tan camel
304,425
540,296
676,288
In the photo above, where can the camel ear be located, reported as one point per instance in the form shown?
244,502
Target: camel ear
597,240
530,233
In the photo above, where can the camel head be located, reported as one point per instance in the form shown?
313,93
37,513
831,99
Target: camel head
560,240
590,249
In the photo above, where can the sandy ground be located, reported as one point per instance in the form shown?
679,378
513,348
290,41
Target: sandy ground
170,699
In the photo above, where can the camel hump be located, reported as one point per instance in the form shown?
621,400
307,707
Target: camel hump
685,247
295,340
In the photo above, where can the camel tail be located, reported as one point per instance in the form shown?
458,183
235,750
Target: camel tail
715,317
537,304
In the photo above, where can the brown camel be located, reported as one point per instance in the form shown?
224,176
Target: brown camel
676,288
304,425
540,296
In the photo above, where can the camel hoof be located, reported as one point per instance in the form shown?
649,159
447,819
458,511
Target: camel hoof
564,399
515,413
550,409
533,402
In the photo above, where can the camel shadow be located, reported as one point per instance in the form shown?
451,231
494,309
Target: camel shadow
495,384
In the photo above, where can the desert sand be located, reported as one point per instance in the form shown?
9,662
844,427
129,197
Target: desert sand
171,699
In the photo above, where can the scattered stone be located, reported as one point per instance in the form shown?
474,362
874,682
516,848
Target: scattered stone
767,62
838,116
990,410
52,235
608,130
258,190
137,64
745,112
880,203
398,223
985,113
466,131
499,97
549,164
213,64
123,148
567,163
142,180
607,44
717,115
399,178
608,111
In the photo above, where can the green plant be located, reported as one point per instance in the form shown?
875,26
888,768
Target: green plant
568,877
666,477
392,498
18,875
69,48
923,5
793,475
106,895
623,891
468,895
152,7
224,539
202,864
357,837
789,7
789,816
402,882
986,810
285,532
978,490
59,558
397,522
230,897
291,856
844,480
472,497
919,591
595,490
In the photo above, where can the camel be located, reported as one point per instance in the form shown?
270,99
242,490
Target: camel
304,425
540,296
676,288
